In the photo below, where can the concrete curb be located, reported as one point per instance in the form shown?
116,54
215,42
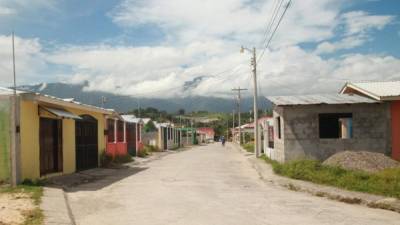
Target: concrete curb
55,207
373,201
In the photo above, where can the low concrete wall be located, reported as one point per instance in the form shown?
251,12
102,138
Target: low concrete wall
300,131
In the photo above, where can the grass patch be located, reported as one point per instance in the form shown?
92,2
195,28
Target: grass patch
249,147
33,189
34,217
386,182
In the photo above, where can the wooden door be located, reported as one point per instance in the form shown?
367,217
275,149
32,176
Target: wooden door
50,141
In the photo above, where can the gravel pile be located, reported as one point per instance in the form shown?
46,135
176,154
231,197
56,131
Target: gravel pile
366,161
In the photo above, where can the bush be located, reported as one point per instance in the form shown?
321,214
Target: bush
143,153
386,182
120,159
147,150
107,160
249,146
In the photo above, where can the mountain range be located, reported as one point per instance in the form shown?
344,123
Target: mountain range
127,103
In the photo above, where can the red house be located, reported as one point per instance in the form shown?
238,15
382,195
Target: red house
123,135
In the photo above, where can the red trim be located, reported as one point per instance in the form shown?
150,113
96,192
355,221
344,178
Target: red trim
395,111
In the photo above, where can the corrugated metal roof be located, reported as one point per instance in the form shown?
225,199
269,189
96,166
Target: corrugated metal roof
131,119
379,89
319,99
8,91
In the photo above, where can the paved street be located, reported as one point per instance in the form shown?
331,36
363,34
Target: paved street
207,185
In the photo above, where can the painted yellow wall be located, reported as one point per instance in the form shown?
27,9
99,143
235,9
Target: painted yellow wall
29,123
30,152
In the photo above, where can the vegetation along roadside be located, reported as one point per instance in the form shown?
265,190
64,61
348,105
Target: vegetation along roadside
385,182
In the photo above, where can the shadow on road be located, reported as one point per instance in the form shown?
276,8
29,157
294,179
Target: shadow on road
93,179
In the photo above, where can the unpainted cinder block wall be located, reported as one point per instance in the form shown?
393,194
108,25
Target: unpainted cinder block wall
300,125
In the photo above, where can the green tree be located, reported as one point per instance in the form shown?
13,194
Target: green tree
150,127
181,112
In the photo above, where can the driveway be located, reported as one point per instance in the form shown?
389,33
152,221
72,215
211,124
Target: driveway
207,185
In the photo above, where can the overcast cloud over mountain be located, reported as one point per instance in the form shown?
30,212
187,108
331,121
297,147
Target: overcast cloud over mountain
176,48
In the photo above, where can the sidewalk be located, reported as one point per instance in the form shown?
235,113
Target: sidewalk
55,204
266,173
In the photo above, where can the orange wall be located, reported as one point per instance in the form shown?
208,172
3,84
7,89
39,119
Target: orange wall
395,111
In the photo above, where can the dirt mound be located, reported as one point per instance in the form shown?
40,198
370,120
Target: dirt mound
366,161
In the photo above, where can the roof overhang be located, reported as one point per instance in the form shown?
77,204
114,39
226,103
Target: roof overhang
356,88
59,113
67,104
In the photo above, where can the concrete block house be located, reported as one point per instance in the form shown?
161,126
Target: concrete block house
318,126
388,92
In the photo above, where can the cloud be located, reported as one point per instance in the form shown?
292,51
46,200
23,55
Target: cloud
361,22
287,70
29,60
5,11
346,43
357,25
12,7
201,47
240,20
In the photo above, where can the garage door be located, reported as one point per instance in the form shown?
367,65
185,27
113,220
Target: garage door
86,143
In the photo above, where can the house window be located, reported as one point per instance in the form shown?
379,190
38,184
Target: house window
336,125
279,127
110,130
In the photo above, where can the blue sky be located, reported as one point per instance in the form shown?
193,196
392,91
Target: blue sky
147,47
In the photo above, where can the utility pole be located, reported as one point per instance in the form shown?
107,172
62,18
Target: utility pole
139,108
238,102
255,113
227,129
14,126
233,125
103,101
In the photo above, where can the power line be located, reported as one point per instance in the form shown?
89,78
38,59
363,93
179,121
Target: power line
276,28
271,21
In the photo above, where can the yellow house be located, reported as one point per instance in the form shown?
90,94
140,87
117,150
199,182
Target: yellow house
57,136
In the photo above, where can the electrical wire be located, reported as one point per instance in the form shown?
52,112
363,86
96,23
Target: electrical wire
276,28
276,9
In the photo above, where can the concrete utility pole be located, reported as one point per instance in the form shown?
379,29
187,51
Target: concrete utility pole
256,129
238,102
233,125
14,125
103,101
